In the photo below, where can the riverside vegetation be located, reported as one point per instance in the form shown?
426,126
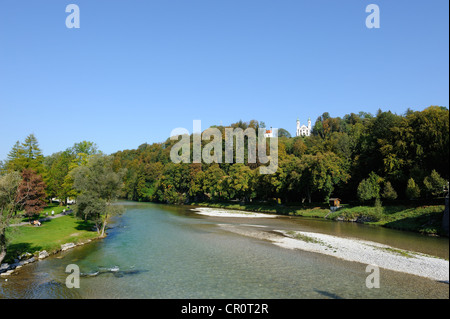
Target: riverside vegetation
391,168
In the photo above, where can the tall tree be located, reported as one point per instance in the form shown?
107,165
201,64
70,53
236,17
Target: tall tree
57,170
32,152
324,172
16,158
79,155
25,155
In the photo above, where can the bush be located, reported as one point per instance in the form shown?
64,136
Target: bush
369,188
412,189
434,184
389,192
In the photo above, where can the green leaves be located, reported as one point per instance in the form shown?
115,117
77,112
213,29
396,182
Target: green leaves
412,189
358,155
25,155
99,187
434,184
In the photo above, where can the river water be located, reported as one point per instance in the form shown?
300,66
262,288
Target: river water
160,251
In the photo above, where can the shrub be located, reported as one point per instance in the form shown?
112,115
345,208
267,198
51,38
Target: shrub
389,192
412,189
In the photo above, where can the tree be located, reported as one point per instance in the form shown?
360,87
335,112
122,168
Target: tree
15,158
9,184
434,184
85,147
239,183
99,188
79,154
31,191
213,182
389,192
2,168
283,133
25,155
33,154
325,171
173,186
430,139
299,148
57,169
369,188
292,179
412,189
365,191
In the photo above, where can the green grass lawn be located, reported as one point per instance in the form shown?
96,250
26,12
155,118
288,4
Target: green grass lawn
19,218
49,236
56,208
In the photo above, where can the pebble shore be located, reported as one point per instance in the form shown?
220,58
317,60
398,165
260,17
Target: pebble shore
351,249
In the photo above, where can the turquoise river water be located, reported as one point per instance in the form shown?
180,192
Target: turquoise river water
172,252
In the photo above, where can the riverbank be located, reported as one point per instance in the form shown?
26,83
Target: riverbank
365,252
54,235
350,249
7,269
426,220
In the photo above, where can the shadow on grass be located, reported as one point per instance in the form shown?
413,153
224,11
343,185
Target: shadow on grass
14,250
84,225
427,224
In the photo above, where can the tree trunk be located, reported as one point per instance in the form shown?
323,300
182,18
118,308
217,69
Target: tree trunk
103,229
2,246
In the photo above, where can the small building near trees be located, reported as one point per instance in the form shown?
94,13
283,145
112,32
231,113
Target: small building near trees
335,202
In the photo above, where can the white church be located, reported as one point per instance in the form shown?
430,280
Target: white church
303,130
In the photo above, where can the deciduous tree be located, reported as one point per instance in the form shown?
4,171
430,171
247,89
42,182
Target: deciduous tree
9,184
99,188
31,193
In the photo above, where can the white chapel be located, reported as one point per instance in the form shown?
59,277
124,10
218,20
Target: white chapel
303,130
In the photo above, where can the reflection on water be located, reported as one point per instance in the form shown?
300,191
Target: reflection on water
170,252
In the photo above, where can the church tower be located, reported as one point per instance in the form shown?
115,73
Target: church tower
297,132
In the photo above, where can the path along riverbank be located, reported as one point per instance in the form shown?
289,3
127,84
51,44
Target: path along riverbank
351,249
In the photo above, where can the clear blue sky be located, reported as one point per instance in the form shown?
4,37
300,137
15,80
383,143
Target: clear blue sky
135,70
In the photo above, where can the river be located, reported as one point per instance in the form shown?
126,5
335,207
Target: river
160,251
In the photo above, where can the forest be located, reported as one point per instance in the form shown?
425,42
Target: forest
359,157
